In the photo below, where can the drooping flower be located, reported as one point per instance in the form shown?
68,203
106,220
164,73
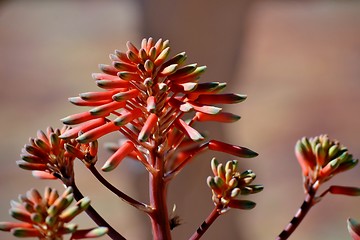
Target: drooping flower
51,157
227,184
48,217
321,158
145,97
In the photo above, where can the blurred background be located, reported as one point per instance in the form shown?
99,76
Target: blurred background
298,62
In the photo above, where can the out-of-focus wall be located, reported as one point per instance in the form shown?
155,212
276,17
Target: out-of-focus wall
301,71
297,62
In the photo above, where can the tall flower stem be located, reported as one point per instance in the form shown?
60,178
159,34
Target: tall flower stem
206,224
96,217
157,190
301,213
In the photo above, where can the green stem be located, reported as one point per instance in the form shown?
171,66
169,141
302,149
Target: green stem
95,216
206,224
301,213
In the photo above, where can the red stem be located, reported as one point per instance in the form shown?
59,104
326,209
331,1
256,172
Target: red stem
300,214
139,205
206,224
157,191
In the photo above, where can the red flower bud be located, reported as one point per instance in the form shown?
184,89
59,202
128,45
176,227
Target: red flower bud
118,156
231,149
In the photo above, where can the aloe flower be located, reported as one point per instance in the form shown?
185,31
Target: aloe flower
320,159
145,97
51,157
154,101
48,217
227,184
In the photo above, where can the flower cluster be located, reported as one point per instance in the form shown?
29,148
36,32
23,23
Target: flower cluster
228,184
321,158
51,157
48,217
145,97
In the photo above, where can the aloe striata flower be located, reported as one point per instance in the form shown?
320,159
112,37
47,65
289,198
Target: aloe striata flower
228,184
50,157
47,217
146,97
321,158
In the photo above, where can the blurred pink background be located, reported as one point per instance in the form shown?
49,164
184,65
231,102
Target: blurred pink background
298,62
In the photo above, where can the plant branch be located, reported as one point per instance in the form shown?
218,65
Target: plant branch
301,213
206,224
95,216
124,197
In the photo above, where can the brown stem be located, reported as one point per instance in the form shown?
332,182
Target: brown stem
301,213
95,216
139,205
206,224
157,191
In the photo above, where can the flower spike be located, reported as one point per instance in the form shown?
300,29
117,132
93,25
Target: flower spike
48,216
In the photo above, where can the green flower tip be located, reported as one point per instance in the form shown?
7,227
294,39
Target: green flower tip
228,184
321,158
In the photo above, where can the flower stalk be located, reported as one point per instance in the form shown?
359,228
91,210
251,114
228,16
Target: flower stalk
320,158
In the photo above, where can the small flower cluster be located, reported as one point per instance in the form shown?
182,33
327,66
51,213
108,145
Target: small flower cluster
48,217
321,158
51,157
228,183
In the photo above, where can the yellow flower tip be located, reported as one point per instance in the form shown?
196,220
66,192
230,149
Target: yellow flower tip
43,175
74,132
128,117
162,56
188,130
118,156
77,118
108,69
90,233
97,132
122,96
113,83
169,70
151,104
105,109
148,127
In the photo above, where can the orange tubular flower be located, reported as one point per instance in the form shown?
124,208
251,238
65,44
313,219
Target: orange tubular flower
145,97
